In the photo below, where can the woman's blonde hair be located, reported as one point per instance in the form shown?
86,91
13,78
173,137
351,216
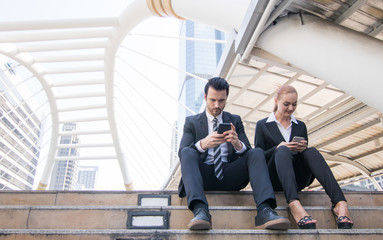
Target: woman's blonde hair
284,89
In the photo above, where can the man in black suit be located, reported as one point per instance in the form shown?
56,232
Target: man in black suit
223,162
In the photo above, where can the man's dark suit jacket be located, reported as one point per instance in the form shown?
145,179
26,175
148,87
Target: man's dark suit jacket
268,136
196,128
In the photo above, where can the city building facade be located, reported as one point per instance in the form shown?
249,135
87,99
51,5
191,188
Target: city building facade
87,177
200,50
20,131
65,172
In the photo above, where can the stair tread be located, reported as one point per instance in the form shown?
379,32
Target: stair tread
145,208
223,198
93,211
186,231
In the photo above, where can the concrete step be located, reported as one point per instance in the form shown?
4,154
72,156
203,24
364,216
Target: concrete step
167,217
319,234
134,198
162,215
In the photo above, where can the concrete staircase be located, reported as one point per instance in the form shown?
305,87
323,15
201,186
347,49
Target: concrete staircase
162,215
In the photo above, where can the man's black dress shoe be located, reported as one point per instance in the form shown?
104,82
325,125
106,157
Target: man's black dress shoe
268,218
201,220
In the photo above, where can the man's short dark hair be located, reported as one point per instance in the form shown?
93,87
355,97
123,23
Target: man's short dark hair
218,84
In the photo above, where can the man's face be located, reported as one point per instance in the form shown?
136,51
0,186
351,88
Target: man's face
215,101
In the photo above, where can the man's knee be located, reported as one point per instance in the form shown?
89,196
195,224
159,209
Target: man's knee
256,154
189,154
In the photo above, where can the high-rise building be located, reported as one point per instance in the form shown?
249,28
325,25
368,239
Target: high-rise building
87,177
20,131
65,172
199,55
200,50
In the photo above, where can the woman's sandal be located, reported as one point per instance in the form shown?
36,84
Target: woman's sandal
343,222
306,223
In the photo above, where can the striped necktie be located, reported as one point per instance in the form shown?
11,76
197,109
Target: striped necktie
218,168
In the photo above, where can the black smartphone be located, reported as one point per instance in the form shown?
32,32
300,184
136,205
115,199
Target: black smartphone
223,127
298,139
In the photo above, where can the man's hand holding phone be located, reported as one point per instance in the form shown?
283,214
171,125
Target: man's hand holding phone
215,138
230,134
225,133
223,127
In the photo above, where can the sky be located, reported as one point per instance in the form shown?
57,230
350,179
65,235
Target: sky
137,72
151,127
146,145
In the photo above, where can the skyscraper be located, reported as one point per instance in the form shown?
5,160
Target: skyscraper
87,177
65,172
198,56
20,131
200,52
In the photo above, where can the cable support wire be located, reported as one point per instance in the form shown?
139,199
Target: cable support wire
148,140
154,84
12,90
140,153
147,123
146,101
179,38
143,169
33,96
39,107
159,136
175,68
145,150
143,135
16,85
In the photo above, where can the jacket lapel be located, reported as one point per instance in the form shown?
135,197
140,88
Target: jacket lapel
294,131
274,132
203,126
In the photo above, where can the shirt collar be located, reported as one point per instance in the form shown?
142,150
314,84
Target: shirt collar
272,118
211,117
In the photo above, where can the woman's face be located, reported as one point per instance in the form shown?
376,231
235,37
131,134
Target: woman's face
286,104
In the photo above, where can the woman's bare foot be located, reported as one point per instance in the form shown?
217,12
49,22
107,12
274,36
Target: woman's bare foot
341,209
299,212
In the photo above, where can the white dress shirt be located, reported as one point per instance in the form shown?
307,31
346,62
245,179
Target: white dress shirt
286,132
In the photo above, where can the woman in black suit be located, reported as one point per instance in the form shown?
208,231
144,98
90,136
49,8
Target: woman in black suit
292,165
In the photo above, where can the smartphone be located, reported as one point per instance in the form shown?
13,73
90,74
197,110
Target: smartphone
223,127
298,139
